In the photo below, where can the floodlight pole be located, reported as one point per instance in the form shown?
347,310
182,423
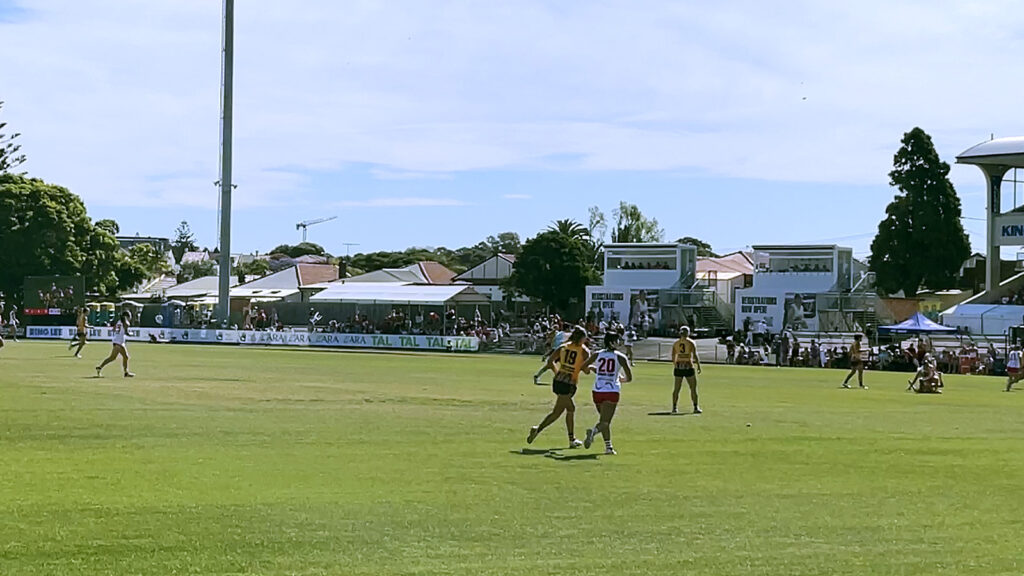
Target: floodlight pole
227,70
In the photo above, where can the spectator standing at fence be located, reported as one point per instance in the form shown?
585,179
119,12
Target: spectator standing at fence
314,317
785,343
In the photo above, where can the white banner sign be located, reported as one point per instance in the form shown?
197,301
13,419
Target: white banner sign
320,339
1010,229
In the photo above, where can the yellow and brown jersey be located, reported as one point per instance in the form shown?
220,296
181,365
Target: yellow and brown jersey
684,351
571,358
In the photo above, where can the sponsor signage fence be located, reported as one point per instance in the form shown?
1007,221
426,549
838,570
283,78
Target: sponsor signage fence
247,337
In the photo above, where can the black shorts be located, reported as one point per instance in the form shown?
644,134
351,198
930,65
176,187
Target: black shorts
684,372
563,388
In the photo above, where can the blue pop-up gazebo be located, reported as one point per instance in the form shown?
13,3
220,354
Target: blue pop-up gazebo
916,324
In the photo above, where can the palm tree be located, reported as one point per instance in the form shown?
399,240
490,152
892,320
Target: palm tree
580,233
571,228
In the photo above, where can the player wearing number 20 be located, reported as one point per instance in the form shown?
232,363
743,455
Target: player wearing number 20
566,362
609,363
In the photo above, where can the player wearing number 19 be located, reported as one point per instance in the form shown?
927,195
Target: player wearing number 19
566,362
607,383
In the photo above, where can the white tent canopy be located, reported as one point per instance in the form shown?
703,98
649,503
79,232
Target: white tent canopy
388,293
988,319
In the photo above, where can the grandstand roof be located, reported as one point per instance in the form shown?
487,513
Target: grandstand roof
394,293
1000,151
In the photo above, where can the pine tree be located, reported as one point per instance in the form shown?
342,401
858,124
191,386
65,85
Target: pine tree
921,241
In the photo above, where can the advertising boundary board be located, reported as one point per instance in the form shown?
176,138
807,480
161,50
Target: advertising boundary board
250,337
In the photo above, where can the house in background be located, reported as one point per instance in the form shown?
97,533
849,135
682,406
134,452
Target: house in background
488,276
426,272
726,274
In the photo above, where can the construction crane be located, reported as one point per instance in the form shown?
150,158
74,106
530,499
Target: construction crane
303,225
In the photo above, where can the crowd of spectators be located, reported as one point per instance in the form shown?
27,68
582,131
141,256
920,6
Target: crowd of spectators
398,322
1016,299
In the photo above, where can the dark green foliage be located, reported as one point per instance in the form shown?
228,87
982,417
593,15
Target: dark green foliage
632,226
193,270
555,269
300,249
703,248
184,241
921,241
44,230
9,151
258,267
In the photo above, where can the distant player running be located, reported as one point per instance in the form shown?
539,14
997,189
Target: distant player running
558,338
120,346
1013,367
858,356
607,384
685,360
82,329
569,359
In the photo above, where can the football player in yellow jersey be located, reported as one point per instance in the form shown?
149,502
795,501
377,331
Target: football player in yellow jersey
684,358
858,355
566,362
82,329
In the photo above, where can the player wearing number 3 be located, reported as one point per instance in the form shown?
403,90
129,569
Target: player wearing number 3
609,363
569,359
684,356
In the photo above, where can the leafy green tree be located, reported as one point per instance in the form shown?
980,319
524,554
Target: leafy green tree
703,248
45,230
555,269
300,249
632,226
921,240
149,259
197,269
257,267
505,243
184,241
109,225
9,151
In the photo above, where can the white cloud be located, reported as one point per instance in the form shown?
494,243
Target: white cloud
110,99
517,196
401,202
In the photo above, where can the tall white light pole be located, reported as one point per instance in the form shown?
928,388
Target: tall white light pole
227,71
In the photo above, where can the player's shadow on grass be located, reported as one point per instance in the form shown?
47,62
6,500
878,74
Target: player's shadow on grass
667,413
530,452
554,454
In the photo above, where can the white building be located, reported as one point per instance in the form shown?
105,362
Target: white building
812,288
655,279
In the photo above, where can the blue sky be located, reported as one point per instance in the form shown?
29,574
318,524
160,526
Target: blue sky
440,123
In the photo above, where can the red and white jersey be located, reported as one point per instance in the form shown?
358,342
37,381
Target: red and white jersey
608,367
118,334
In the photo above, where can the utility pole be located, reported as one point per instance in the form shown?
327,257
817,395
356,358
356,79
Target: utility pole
227,71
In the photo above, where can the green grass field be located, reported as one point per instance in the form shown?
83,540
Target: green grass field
219,460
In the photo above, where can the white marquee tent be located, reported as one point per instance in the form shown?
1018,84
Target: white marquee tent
394,293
